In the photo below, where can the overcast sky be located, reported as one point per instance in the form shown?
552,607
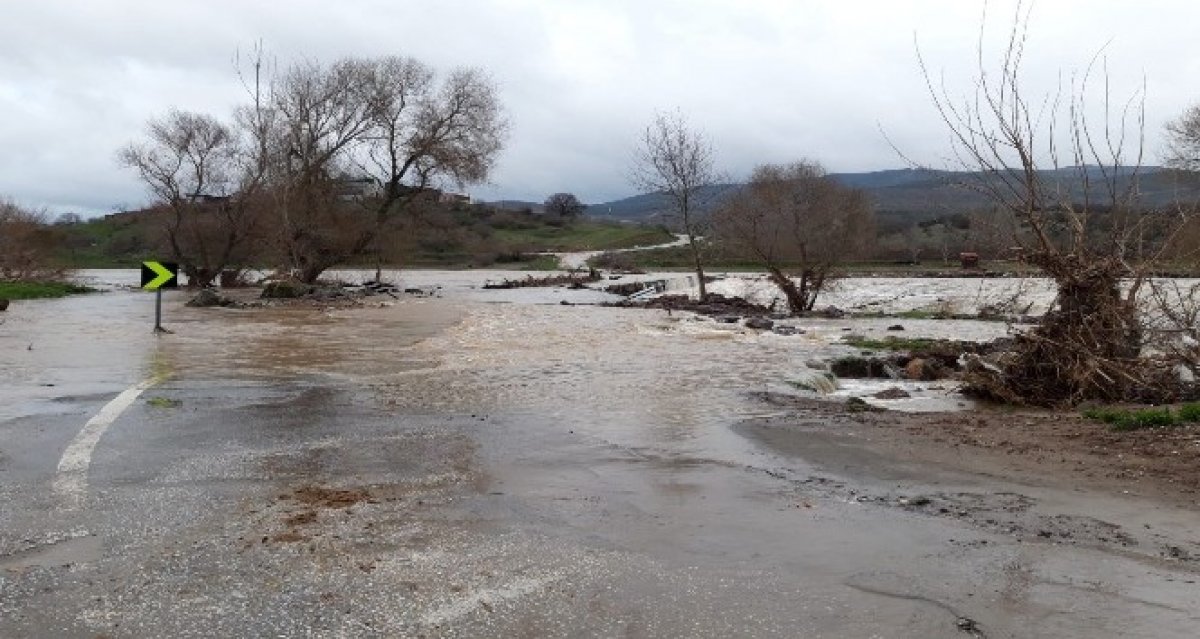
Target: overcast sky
767,80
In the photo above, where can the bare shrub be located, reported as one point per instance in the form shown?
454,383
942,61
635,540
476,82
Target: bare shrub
27,244
1072,184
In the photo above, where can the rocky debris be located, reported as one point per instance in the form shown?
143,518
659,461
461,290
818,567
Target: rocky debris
570,279
715,305
786,330
860,405
326,294
896,327
895,392
380,288
759,323
208,298
855,366
897,366
628,288
3,304
286,289
336,294
925,370
966,624
831,312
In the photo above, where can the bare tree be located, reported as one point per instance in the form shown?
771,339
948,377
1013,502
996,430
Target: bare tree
27,244
563,206
799,224
386,124
677,160
191,164
424,132
1183,141
1071,182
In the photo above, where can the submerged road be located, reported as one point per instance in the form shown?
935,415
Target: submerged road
454,468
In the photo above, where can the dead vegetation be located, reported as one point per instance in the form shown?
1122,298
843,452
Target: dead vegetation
1093,241
27,243
572,280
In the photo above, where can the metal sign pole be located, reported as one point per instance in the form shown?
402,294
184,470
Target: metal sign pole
158,311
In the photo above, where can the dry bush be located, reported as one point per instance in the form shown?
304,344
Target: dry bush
27,244
1072,184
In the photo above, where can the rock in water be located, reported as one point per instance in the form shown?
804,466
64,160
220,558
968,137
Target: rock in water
208,297
859,367
3,304
286,289
926,370
895,392
759,323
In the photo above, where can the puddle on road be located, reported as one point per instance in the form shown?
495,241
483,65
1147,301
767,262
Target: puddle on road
68,550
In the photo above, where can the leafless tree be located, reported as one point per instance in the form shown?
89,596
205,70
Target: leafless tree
563,206
799,224
386,122
329,154
191,164
1183,141
1071,181
677,160
27,244
426,132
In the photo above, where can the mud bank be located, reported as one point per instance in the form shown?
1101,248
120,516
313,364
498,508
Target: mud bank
1160,463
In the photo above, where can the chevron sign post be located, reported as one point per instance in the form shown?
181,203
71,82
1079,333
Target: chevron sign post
155,277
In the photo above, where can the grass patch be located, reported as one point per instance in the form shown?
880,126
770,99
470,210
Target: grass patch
918,314
823,383
541,263
1123,419
40,290
890,343
163,402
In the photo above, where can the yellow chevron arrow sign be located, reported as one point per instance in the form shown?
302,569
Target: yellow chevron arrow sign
156,275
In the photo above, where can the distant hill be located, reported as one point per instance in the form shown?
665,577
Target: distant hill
651,207
925,193
515,205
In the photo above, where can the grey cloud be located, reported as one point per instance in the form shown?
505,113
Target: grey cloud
768,81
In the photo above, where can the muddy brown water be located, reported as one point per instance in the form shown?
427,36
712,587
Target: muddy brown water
623,434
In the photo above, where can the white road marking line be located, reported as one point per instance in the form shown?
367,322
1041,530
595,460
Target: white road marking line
71,481
462,607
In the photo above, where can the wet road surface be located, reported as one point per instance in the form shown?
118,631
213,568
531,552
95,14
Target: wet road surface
460,468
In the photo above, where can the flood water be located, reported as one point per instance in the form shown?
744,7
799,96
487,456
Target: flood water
471,346
607,432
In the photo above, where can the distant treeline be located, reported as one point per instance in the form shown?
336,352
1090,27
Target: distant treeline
436,235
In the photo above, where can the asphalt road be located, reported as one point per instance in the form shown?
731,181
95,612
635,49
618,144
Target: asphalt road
283,475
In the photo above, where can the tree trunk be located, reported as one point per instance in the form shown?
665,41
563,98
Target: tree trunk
699,266
796,299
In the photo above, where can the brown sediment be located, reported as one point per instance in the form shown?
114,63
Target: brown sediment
321,497
1018,442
